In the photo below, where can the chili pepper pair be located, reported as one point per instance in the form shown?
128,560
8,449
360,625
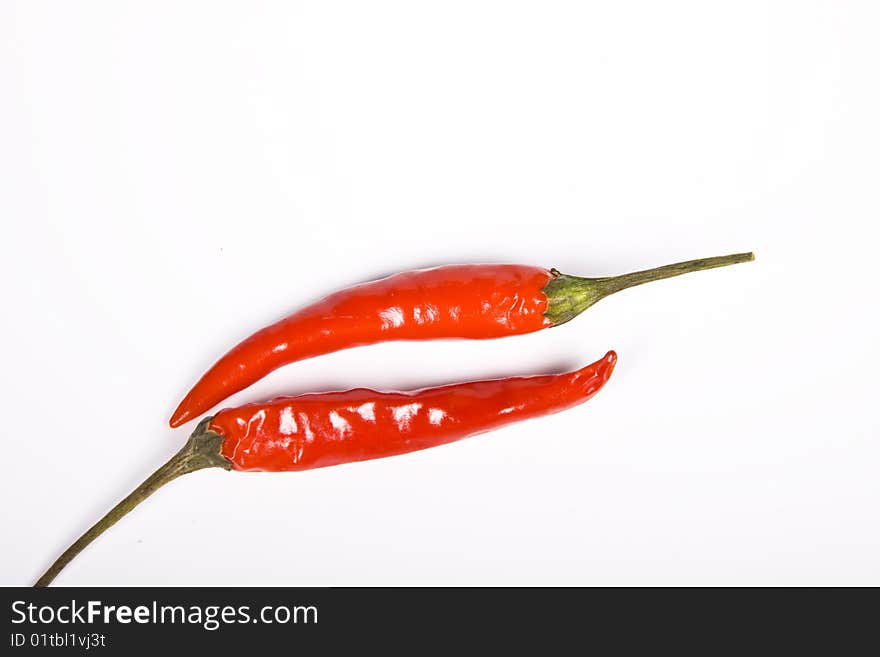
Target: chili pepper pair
318,430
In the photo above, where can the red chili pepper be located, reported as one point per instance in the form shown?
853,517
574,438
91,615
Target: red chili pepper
457,301
318,430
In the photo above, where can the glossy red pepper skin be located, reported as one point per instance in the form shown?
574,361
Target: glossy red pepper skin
457,301
319,430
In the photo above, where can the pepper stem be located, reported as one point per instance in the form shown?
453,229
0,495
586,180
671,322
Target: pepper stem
568,296
202,450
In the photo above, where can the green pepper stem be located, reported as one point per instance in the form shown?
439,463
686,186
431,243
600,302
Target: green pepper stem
202,450
568,296
614,284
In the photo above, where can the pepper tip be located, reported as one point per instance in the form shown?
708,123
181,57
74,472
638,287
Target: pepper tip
178,418
610,360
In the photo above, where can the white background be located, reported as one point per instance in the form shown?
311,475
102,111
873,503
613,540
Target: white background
175,175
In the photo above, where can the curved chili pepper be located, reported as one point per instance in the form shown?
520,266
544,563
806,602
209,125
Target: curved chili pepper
456,301
319,430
